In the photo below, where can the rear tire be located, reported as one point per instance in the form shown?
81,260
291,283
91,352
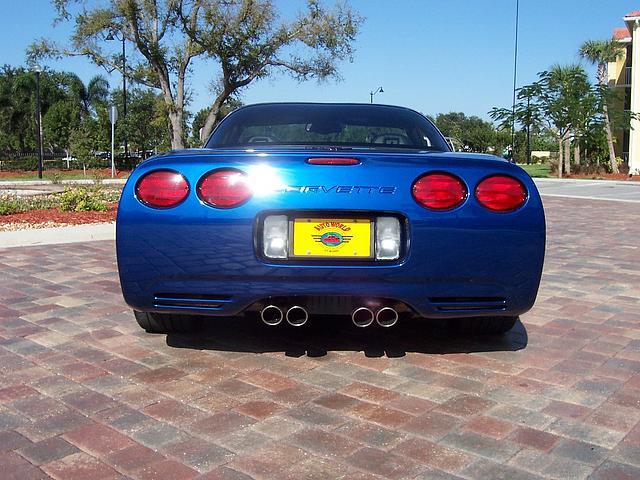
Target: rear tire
153,322
483,325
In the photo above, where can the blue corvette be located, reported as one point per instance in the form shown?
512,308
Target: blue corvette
296,210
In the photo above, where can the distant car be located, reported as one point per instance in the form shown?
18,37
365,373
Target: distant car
295,210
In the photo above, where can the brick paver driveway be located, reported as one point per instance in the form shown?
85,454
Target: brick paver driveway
84,393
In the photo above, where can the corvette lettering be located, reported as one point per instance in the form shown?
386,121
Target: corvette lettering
386,190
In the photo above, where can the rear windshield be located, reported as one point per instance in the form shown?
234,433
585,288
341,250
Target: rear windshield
322,125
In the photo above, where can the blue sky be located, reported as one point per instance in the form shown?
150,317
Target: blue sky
433,56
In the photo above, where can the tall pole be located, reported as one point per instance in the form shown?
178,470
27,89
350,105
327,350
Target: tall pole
39,119
113,149
374,92
124,96
515,76
528,154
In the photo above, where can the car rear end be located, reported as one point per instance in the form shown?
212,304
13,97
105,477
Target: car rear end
291,233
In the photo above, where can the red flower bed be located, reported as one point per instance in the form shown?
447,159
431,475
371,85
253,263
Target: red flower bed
604,176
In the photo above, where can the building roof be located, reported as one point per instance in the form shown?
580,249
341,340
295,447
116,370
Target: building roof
635,13
621,33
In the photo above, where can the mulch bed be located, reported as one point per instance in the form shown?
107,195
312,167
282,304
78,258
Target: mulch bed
53,217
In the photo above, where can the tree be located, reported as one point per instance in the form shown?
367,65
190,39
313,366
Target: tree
600,53
18,104
200,118
147,123
59,122
564,91
526,112
89,96
245,38
474,133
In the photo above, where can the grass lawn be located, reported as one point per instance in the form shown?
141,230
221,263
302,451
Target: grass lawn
536,170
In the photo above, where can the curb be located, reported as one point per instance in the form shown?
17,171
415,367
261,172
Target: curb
58,235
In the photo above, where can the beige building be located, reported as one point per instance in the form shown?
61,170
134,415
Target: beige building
625,74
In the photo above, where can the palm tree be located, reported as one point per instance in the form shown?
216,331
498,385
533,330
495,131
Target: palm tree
600,53
87,96
564,91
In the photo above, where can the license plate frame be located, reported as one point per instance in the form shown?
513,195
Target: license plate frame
322,249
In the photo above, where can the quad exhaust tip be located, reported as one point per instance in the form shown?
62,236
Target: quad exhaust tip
272,315
362,317
297,316
387,317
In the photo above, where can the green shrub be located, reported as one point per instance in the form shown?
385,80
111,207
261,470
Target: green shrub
9,204
55,177
82,199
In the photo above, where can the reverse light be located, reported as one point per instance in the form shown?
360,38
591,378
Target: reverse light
439,191
387,238
275,236
224,188
162,189
501,193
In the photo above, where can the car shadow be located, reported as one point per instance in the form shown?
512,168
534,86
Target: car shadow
328,333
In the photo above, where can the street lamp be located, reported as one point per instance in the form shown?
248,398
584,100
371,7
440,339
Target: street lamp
113,36
372,92
38,71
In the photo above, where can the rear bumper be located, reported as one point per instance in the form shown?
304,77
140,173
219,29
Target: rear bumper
229,298
209,283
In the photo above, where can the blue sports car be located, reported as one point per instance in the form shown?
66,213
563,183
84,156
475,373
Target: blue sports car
294,210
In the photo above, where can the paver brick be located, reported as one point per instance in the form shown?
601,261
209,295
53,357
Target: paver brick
79,466
48,450
84,393
386,464
434,455
98,439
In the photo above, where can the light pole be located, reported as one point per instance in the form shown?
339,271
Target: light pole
38,71
515,77
113,36
372,93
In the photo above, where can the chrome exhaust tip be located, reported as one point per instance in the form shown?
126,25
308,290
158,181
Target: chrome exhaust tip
362,317
272,315
297,316
387,317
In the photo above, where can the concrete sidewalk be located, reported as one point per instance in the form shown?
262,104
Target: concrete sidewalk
58,235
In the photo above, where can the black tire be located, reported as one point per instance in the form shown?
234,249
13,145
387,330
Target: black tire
483,325
153,322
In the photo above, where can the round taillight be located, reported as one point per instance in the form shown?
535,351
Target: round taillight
162,189
501,193
439,191
224,188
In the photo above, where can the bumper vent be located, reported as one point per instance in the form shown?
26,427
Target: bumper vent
191,302
469,304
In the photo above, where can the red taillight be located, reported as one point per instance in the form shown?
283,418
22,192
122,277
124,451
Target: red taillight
439,191
333,161
225,188
501,193
162,189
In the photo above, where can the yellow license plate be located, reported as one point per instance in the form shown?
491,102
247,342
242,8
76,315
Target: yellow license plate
321,237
